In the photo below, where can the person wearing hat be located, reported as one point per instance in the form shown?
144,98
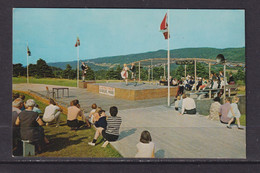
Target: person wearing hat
30,126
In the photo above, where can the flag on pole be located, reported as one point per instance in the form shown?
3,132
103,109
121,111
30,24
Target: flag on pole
164,27
77,42
28,51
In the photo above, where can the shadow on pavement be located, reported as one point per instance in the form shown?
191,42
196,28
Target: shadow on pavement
126,133
159,154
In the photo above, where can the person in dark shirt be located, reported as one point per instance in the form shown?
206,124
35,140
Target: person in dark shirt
100,125
30,126
84,68
231,80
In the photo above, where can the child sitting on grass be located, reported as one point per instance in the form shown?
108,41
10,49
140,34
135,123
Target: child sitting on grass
234,113
90,117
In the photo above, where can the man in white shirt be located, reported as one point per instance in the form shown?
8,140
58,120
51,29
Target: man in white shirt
52,113
188,105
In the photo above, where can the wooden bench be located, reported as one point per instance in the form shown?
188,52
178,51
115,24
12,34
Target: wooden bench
206,91
28,149
232,90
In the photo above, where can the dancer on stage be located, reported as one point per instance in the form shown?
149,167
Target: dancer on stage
84,68
133,70
124,73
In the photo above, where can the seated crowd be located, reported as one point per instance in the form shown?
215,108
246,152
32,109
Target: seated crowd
188,83
228,113
27,124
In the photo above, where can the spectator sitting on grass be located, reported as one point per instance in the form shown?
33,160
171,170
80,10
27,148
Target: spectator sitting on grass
111,133
36,109
145,148
15,96
96,115
52,113
22,97
234,113
30,126
90,117
100,125
73,113
16,109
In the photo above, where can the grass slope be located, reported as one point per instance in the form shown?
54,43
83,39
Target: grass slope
67,143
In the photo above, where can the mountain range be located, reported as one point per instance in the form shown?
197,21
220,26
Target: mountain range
231,54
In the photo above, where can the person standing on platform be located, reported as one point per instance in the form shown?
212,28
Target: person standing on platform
133,70
124,73
84,68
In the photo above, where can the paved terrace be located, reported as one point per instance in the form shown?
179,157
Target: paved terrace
175,136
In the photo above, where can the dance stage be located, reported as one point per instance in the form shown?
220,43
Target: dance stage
141,91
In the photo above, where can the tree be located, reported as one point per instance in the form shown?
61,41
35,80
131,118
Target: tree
178,72
90,74
32,70
69,73
100,74
57,72
43,70
111,74
240,75
19,70
143,75
158,72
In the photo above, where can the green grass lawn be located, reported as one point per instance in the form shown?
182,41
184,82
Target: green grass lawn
55,81
67,143
243,120
50,81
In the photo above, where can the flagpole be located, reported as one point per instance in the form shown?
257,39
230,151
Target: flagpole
27,65
168,59
78,67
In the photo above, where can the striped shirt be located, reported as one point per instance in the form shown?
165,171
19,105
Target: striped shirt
113,125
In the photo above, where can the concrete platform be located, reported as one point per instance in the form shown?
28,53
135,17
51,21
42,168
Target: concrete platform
84,84
141,91
175,136
179,136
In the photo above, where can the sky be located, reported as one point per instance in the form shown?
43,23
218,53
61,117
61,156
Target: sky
51,33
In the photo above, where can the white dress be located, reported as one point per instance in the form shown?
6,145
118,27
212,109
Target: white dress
235,110
124,73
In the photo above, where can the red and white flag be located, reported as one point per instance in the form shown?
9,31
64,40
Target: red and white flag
164,27
77,42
